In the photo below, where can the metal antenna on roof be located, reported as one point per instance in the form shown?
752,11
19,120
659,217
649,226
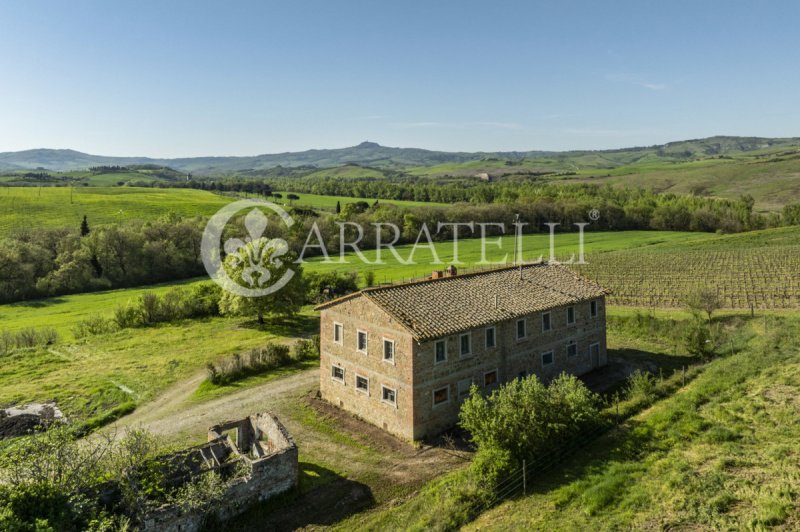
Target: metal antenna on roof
516,236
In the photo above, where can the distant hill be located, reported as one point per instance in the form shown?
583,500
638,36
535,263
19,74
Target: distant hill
377,156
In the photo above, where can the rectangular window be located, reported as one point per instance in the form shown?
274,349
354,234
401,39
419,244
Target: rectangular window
337,373
388,395
440,351
463,388
491,340
572,349
593,309
521,332
441,396
466,345
388,350
362,384
547,358
490,378
362,341
546,325
570,315
338,333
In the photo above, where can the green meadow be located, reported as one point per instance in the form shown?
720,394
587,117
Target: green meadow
29,207
317,201
496,251
32,207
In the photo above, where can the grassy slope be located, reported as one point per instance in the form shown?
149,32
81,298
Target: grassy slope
26,207
93,375
770,176
720,454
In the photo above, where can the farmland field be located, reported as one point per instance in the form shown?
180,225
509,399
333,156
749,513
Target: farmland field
26,207
30,207
759,269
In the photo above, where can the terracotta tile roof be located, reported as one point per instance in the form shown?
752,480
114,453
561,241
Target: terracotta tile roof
439,307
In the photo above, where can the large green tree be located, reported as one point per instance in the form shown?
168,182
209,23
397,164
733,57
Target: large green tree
269,268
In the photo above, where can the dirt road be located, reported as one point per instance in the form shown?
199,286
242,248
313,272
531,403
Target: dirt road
176,416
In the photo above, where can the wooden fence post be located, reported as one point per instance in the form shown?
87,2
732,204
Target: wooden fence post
524,480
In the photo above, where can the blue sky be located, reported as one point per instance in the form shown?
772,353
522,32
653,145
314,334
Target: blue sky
169,79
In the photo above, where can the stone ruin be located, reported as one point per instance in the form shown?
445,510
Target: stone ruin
28,419
260,442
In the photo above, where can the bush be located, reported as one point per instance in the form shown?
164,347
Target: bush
94,324
177,304
238,366
322,287
306,349
641,386
127,316
524,417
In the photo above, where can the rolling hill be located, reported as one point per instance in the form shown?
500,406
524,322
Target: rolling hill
375,155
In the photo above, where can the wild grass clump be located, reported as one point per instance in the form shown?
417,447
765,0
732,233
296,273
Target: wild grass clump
260,360
26,338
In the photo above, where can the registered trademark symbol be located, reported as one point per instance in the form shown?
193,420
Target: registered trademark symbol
594,215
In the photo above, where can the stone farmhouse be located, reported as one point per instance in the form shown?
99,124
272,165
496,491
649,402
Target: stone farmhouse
403,357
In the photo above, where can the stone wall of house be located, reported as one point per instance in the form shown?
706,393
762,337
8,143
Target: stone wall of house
510,358
360,314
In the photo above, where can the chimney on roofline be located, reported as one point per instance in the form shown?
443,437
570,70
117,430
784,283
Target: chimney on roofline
451,271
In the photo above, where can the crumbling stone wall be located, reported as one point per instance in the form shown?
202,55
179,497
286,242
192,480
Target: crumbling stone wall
264,444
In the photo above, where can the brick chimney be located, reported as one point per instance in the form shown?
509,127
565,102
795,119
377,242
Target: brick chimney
437,274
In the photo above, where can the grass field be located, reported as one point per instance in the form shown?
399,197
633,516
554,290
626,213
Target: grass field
471,252
28,207
329,202
91,376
